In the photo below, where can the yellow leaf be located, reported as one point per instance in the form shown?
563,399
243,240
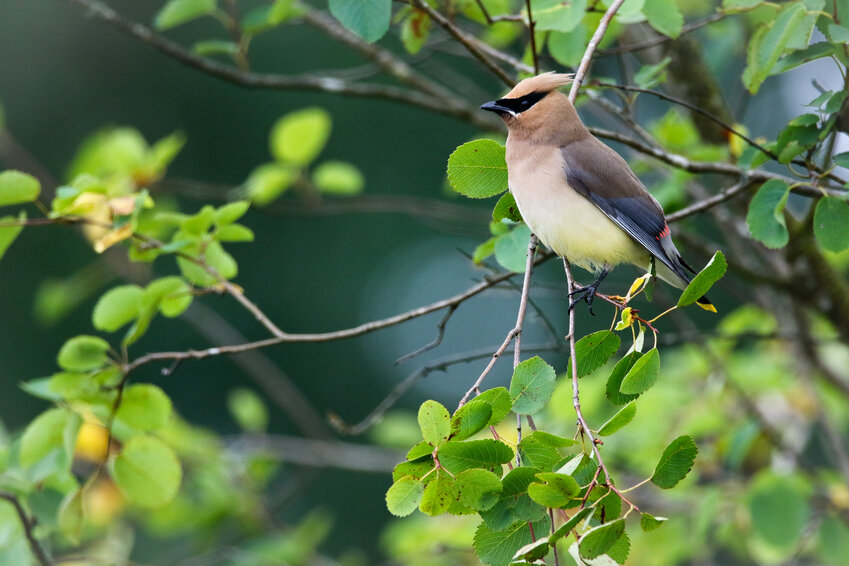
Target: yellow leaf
113,237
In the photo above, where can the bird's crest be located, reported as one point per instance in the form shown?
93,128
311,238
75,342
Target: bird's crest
545,82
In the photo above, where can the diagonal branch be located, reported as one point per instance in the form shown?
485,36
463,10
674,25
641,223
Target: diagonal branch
588,54
28,525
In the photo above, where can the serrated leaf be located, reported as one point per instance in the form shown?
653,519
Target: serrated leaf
531,386
497,548
83,353
177,12
499,401
488,454
404,495
593,350
614,382
831,223
704,280
511,249
599,540
624,416
664,16
117,307
147,472
8,234
538,454
417,469
506,209
421,449
567,527
435,422
766,214
144,407
769,42
554,490
478,489
478,169
439,494
369,19
533,552
620,549
675,463
642,375
469,419
650,523
298,137
17,187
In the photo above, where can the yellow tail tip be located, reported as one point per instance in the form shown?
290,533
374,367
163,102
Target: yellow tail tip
707,307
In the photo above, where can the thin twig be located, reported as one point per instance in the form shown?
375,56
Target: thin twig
702,205
588,54
662,38
440,329
28,525
464,39
531,26
516,330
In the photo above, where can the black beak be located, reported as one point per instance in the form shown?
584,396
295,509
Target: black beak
495,107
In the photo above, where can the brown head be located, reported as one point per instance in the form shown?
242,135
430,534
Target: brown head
535,110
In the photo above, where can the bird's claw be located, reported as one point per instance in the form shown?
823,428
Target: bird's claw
583,293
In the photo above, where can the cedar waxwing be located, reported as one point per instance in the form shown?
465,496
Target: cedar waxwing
576,194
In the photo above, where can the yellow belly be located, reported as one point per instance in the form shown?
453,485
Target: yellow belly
568,223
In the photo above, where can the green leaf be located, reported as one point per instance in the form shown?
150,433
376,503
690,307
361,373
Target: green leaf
556,15
514,503
48,442
620,549
766,214
568,48
555,490
8,234
614,382
269,181
531,386
842,159
779,508
538,454
215,47
369,19
147,472
567,527
230,212
769,41
435,422
831,223
171,295
338,178
248,410
625,415
652,75
415,30
83,353
144,407
506,209
478,489
598,540
497,548
650,522
532,553
17,187
796,58
404,496
439,494
593,350
177,12
70,517
478,169
664,16
498,399
234,233
265,17
511,249
642,375
487,453
420,450
734,5
704,280
675,463
298,137
117,307
470,419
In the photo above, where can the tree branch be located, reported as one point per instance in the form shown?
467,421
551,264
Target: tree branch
661,39
28,525
588,54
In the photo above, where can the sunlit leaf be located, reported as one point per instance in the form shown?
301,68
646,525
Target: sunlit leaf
675,463
531,386
147,471
478,169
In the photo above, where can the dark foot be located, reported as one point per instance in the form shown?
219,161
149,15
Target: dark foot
586,293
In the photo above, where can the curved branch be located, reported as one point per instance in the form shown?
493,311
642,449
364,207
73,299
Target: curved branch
28,524
588,54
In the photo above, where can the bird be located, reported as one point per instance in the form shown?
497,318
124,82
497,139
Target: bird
579,196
